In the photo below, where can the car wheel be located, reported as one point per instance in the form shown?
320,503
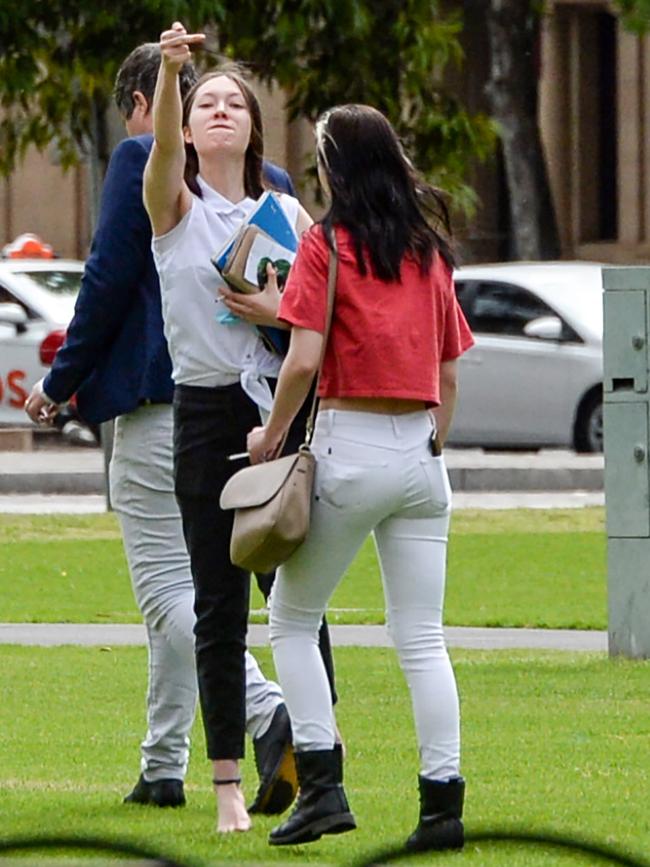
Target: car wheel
589,426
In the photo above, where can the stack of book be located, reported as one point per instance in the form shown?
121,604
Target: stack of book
265,237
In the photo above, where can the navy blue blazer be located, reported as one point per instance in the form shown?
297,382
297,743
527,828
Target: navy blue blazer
115,354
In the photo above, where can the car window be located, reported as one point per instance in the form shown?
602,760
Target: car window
57,282
47,293
501,308
464,296
7,297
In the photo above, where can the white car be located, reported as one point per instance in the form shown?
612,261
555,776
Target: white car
534,377
37,297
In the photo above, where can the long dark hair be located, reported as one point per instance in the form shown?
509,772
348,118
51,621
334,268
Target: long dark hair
377,195
254,152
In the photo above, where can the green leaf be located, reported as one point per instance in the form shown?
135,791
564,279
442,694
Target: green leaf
59,59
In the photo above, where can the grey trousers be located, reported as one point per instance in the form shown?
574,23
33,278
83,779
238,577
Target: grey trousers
142,495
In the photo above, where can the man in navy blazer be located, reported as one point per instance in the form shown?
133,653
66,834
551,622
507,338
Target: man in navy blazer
115,360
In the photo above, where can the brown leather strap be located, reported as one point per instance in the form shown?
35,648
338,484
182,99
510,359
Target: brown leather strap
331,289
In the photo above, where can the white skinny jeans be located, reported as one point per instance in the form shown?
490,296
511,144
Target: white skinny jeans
374,473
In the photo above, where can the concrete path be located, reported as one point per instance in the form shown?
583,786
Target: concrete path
78,504
81,471
52,504
107,635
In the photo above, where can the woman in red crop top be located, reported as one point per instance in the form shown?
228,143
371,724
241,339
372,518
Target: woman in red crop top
387,395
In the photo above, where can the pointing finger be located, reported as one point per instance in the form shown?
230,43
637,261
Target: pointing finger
171,39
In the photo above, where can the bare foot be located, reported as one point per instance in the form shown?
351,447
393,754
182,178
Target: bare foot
231,809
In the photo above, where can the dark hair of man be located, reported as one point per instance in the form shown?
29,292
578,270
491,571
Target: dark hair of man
139,71
377,195
253,184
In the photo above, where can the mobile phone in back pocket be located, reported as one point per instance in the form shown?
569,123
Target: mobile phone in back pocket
434,445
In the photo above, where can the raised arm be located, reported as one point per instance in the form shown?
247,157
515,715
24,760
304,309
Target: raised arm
166,196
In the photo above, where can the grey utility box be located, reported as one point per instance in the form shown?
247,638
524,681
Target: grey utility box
626,406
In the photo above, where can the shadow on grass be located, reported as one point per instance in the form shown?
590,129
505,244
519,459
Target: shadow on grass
542,841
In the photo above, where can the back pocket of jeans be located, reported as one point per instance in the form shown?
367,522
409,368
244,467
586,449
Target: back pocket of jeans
437,481
347,477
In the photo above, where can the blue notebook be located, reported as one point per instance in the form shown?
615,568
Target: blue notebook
270,216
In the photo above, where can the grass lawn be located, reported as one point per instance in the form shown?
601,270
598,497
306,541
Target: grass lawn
506,568
551,741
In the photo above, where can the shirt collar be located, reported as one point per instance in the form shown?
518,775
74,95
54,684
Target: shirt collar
220,204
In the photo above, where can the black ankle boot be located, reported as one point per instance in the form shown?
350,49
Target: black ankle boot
322,807
160,793
441,809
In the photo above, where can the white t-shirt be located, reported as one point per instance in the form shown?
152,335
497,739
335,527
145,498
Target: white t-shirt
205,351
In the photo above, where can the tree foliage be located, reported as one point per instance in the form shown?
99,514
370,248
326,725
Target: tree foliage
391,54
58,59
636,14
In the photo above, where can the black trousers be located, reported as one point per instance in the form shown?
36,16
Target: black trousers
209,425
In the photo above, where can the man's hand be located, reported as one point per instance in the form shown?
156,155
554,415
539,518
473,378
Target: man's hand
39,407
259,308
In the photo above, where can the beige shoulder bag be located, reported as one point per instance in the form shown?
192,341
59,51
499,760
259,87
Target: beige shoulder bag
272,500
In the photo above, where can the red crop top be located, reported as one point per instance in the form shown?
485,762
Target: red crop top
386,339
